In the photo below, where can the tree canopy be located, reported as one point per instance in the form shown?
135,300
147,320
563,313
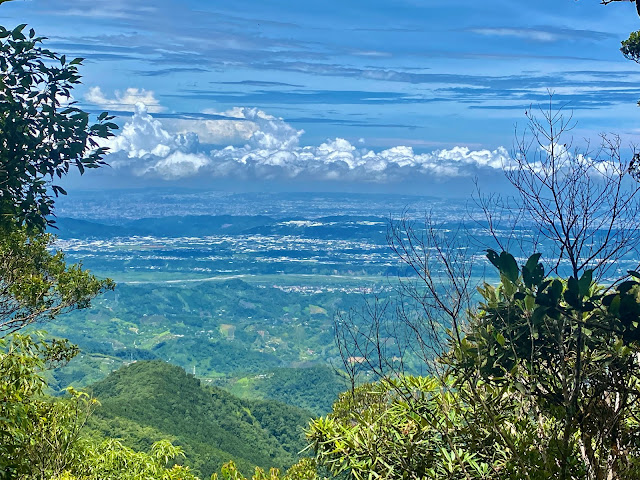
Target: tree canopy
40,140
37,285
44,134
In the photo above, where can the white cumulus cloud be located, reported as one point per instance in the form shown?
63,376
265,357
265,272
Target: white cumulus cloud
177,165
272,150
126,100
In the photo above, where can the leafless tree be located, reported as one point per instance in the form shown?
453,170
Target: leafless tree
427,308
582,203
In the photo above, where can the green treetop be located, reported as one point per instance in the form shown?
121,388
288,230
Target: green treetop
44,135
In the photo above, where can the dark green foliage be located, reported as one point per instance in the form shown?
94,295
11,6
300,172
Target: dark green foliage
570,349
42,137
542,384
154,398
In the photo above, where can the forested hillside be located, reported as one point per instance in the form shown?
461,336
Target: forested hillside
152,400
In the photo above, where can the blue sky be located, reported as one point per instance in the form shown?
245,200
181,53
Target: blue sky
376,94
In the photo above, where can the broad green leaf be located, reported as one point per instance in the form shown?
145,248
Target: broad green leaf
509,266
494,258
533,261
585,282
538,315
624,287
529,302
634,274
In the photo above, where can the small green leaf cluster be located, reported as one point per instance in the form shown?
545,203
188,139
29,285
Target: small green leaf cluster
37,285
631,47
305,469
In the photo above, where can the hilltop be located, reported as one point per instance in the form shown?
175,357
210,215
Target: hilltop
151,400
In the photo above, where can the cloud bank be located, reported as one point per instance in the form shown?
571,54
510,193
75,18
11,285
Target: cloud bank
547,34
273,151
125,101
